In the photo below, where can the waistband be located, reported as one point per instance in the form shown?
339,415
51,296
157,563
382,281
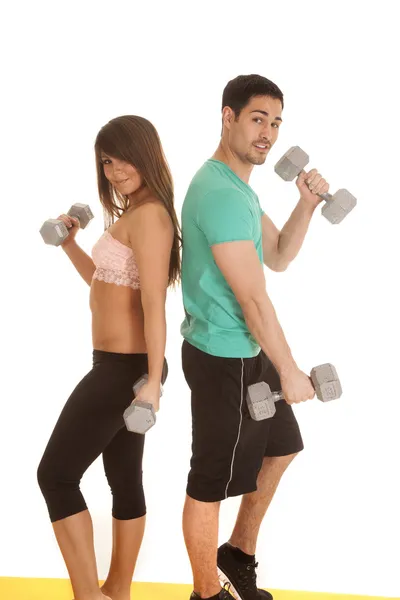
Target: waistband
137,359
101,356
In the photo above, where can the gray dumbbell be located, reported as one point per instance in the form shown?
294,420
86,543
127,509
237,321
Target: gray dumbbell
140,416
261,400
337,206
54,231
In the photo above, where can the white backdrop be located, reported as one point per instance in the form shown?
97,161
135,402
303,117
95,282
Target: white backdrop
67,68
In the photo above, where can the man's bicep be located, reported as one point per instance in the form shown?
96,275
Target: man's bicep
240,265
270,242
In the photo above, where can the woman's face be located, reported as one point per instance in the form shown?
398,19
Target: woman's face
122,175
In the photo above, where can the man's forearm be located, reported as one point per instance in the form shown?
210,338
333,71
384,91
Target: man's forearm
292,235
263,324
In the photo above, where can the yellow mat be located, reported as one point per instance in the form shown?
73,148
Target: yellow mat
59,589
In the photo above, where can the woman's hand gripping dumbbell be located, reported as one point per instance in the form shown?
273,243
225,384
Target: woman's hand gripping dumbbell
261,400
57,232
140,416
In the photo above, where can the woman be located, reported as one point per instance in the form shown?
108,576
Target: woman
133,263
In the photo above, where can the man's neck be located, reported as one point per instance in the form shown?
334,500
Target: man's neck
242,170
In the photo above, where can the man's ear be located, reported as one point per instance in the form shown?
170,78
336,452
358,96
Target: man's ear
228,116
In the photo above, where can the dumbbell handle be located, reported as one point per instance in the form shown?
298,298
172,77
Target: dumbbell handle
276,396
331,392
72,217
337,206
73,213
71,226
326,196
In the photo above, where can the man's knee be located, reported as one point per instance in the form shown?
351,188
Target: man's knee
279,463
286,460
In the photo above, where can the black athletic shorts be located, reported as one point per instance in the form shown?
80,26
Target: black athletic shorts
228,445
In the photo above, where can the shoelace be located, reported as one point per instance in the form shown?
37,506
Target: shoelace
248,577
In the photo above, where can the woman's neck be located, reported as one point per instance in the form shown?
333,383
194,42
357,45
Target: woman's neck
138,197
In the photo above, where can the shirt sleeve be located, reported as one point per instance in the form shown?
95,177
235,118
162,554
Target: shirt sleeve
262,212
225,216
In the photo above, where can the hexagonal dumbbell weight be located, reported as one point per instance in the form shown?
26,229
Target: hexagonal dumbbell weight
261,400
54,231
337,207
140,416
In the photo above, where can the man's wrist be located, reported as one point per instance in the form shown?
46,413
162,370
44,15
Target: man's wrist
307,207
286,370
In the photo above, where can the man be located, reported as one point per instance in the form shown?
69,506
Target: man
232,339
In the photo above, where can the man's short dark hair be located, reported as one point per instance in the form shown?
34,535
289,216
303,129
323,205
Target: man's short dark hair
239,91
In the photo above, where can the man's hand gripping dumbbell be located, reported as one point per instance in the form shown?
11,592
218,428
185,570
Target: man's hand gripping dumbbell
337,207
56,231
261,400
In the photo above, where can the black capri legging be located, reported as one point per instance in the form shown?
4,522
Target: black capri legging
91,423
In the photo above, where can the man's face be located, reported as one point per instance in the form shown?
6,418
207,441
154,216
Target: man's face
255,132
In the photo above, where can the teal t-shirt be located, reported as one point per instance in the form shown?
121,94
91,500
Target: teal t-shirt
219,207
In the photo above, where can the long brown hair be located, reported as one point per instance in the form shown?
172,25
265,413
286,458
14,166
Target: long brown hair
135,140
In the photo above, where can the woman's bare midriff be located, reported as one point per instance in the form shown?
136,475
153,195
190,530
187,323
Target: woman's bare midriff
117,318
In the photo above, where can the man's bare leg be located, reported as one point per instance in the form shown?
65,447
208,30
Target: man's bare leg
200,529
255,505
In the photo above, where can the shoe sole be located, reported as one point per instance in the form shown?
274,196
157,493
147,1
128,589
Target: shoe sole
225,581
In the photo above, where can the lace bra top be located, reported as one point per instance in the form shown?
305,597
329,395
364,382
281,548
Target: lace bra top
115,262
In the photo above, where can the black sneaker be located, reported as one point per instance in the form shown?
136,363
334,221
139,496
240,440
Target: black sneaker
223,595
238,578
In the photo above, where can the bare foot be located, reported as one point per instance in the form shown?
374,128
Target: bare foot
117,595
